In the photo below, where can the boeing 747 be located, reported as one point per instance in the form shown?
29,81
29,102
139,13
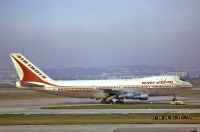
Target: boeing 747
33,78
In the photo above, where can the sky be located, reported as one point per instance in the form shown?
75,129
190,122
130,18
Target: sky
95,33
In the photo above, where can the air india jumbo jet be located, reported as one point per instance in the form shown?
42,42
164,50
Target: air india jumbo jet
33,78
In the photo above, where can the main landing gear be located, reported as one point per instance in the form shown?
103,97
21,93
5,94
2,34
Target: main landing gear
104,101
119,101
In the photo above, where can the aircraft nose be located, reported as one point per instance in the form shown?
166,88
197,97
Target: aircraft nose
189,84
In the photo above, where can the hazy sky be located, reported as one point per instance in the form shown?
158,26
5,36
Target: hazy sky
67,33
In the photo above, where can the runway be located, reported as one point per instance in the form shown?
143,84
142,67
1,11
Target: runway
94,111
33,107
99,128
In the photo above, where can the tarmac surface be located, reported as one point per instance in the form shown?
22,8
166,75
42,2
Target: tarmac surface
32,106
101,128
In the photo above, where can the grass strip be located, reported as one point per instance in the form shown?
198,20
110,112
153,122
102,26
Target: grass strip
25,95
56,119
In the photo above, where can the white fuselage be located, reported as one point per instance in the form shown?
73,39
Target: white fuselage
154,86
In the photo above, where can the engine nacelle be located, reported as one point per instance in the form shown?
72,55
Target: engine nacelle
141,95
134,95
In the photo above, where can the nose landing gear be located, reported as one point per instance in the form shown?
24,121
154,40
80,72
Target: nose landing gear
174,98
175,101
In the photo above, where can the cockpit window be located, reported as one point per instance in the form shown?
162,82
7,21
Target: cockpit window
182,79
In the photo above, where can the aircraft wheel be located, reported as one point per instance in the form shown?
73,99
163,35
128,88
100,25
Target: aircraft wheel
110,102
174,98
104,102
119,102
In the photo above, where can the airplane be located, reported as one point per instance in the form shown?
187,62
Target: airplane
33,78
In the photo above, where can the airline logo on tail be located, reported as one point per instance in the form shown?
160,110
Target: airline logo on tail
28,64
27,71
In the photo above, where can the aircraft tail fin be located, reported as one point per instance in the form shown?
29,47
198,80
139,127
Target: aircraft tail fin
27,71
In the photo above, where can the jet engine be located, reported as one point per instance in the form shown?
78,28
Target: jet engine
134,95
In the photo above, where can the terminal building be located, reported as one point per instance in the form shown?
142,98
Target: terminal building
182,74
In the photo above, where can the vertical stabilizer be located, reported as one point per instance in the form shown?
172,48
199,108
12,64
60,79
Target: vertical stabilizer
27,71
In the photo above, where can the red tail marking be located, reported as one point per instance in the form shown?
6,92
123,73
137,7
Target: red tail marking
29,75
31,66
